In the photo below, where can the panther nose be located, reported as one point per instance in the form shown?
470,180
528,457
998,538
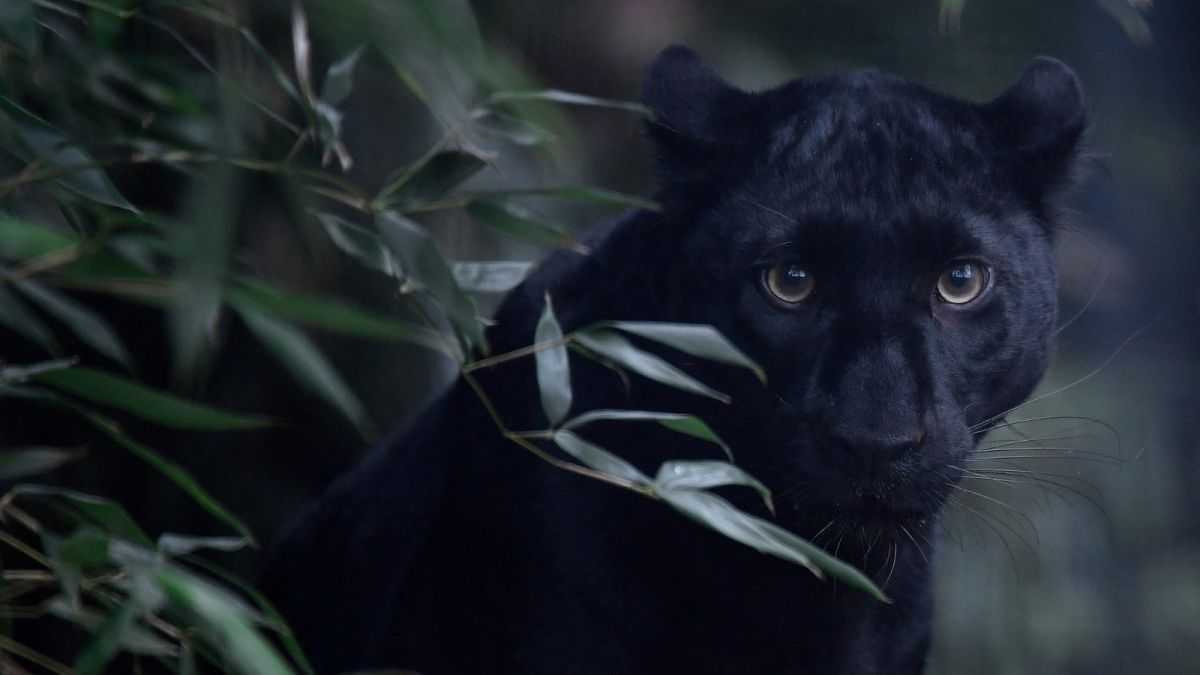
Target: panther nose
876,450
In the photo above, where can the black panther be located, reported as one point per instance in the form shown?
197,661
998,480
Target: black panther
882,250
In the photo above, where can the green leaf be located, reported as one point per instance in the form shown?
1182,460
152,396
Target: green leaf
88,326
134,638
598,458
86,548
567,97
339,79
695,339
423,266
359,243
430,180
591,195
498,276
81,172
553,367
106,514
18,26
306,364
610,345
223,621
144,402
21,462
514,222
174,545
15,316
699,475
20,240
717,514
175,473
335,316
680,422
26,373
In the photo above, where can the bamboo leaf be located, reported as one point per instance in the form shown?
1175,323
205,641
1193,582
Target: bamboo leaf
335,316
567,97
104,513
587,194
88,326
498,276
303,361
432,179
699,475
598,458
173,545
695,339
339,79
514,222
553,367
610,345
423,266
149,404
359,243
680,422
15,316
18,463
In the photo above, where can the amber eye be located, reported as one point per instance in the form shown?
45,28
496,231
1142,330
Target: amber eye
789,282
962,282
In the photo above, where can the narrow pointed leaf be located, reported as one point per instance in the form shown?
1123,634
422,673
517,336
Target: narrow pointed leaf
423,266
104,513
598,458
15,316
567,97
763,536
145,402
591,195
306,364
433,179
680,422
699,475
335,316
617,349
18,463
173,545
553,367
20,240
87,325
339,79
514,222
498,276
360,243
695,339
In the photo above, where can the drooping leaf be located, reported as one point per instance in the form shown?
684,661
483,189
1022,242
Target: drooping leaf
335,316
134,638
591,195
173,472
88,326
306,364
86,548
514,222
224,621
77,170
145,402
553,367
699,475
432,179
498,276
339,79
15,316
361,244
716,513
24,373
608,344
567,97
104,513
680,422
18,463
695,339
174,545
422,265
20,240
597,457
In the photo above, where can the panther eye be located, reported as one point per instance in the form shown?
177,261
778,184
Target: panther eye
962,282
789,282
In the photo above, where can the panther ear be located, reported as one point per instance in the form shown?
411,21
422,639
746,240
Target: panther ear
696,114
1042,117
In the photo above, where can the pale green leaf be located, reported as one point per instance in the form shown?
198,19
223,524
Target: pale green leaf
617,349
553,367
598,458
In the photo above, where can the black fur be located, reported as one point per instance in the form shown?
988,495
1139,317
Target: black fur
453,551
